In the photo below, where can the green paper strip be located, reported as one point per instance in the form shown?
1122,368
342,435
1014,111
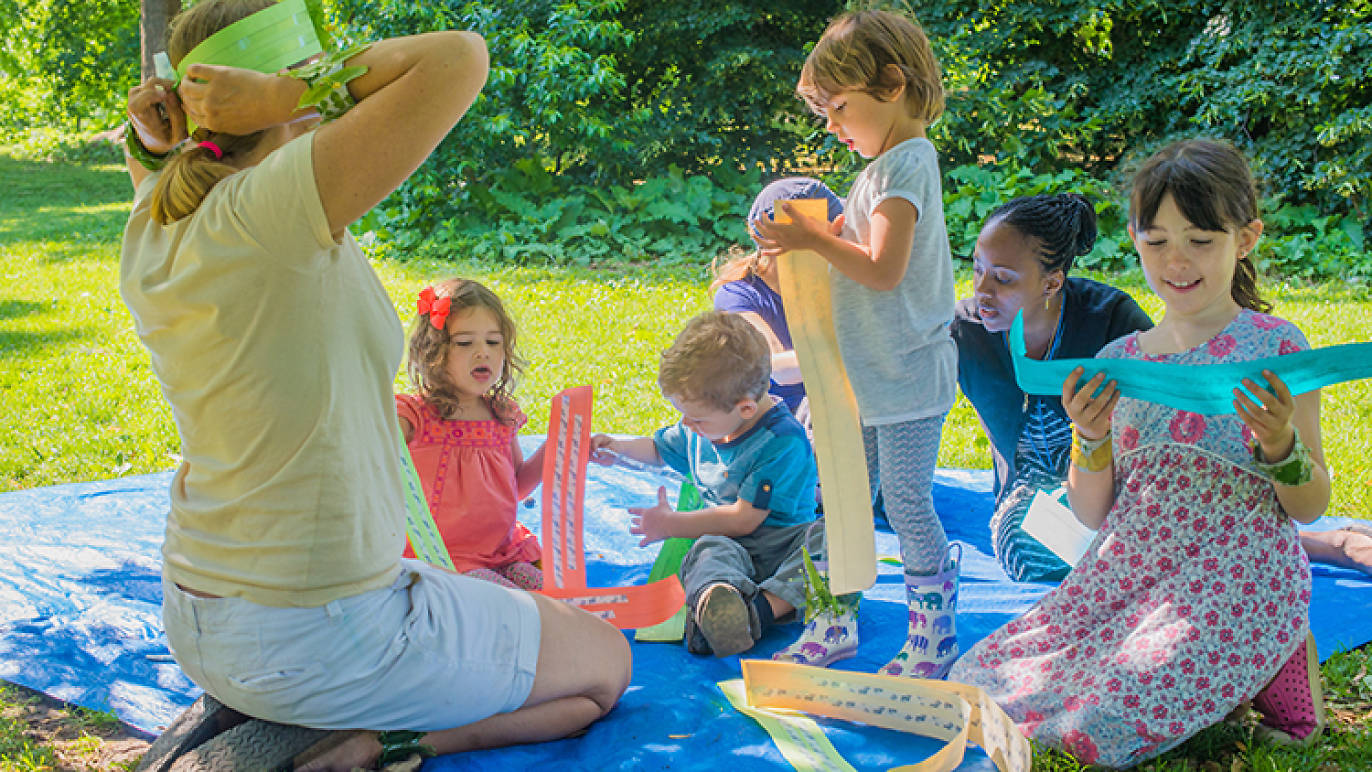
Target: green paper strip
419,521
668,563
799,737
268,41
1205,389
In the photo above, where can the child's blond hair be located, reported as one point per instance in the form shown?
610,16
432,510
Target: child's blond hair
718,359
856,52
428,350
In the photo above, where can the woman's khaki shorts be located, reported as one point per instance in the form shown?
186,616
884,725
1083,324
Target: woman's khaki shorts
434,651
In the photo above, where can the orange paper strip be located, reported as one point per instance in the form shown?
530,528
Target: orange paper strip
564,495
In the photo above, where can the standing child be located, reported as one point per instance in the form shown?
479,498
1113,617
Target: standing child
873,77
462,428
1195,592
756,474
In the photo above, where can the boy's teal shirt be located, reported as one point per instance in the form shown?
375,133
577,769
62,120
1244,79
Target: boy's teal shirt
771,466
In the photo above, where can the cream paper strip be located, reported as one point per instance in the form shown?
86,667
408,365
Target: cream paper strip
848,527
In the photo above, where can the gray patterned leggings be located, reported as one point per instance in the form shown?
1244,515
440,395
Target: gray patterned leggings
901,458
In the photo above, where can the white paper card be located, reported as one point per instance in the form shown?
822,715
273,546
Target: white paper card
1051,522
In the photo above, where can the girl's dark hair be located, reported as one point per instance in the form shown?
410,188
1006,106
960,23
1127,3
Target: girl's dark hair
1213,188
428,351
1064,224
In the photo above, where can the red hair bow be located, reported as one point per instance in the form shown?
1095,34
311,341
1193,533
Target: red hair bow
436,307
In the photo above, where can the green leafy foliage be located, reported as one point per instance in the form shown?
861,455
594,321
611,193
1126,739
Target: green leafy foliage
1098,84
608,129
673,218
66,63
971,192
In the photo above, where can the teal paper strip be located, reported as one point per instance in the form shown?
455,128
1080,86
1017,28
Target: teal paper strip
1204,389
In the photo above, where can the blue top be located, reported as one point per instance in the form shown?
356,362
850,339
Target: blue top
771,466
752,295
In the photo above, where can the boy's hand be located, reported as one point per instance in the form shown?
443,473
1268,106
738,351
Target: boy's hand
652,523
1271,420
603,450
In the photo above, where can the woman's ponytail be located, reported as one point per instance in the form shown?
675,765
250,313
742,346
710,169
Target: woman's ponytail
190,176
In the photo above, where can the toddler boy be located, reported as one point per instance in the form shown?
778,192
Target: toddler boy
755,470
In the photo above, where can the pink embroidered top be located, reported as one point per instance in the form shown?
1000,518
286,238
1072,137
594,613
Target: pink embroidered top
468,472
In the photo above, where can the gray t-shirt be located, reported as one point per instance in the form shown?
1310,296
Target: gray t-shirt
896,347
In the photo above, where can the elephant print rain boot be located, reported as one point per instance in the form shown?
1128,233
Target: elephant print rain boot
931,644
831,630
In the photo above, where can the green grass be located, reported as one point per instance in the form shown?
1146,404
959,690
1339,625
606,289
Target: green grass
78,400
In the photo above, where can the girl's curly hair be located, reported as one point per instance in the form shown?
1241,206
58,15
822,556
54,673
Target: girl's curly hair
428,351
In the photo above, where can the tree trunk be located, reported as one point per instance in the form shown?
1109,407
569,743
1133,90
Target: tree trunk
154,16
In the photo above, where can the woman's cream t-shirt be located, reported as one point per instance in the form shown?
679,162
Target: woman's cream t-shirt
277,349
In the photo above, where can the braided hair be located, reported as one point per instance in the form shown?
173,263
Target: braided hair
1064,225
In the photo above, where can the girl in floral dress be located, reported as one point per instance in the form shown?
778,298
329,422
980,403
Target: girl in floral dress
1194,594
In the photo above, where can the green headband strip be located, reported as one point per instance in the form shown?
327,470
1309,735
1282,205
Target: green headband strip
1204,389
268,41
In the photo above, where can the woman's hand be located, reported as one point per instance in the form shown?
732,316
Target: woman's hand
1270,420
236,101
1090,412
156,114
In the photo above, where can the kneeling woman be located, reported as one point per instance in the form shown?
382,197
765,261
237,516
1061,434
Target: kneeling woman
1023,256
285,595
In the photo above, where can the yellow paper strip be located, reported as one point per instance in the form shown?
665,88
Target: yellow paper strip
848,527
952,712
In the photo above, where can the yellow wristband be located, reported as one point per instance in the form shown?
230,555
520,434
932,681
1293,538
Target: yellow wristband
1091,455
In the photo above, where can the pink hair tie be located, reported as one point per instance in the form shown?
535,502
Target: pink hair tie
218,153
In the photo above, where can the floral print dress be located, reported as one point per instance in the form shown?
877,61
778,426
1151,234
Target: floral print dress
1190,598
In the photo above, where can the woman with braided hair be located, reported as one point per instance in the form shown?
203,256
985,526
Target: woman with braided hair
1022,258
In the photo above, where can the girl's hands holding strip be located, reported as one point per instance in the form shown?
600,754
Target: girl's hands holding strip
156,114
236,101
1270,416
1090,412
801,232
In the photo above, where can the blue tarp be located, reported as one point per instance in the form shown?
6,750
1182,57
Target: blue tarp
80,596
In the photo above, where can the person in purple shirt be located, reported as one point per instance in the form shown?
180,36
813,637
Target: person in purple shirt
748,286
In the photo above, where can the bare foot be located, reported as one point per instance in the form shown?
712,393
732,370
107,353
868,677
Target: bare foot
1347,547
341,753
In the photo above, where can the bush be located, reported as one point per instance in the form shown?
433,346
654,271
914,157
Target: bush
608,129
1298,242
67,64
1097,84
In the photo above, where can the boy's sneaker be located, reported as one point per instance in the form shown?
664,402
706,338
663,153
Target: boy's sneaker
725,620
695,641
